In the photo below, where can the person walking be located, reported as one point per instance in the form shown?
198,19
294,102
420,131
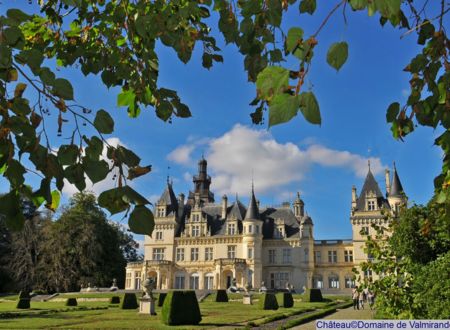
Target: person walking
361,299
355,296
371,298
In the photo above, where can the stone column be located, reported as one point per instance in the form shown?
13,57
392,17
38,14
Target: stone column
158,279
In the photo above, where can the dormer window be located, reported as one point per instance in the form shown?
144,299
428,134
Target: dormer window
231,229
371,205
195,231
279,232
161,212
195,217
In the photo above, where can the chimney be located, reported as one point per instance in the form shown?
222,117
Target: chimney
353,197
224,206
388,181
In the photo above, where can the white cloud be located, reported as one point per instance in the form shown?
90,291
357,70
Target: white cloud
108,183
182,154
241,152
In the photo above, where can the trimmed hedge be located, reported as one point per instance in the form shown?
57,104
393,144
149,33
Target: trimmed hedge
161,298
313,295
221,296
129,301
24,295
23,303
181,308
307,318
287,301
268,301
71,302
115,300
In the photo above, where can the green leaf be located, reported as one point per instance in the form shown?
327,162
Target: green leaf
164,110
337,54
388,8
272,80
358,4
94,148
308,6
310,108
20,88
293,39
75,175
282,108
141,221
11,210
5,57
56,198
63,88
441,197
95,170
14,173
392,112
68,154
133,197
443,90
137,171
126,98
112,200
12,35
103,122
127,157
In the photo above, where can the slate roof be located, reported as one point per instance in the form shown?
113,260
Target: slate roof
168,198
396,186
269,215
370,185
252,211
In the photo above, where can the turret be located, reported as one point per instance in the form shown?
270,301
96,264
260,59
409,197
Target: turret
353,197
387,176
299,207
396,197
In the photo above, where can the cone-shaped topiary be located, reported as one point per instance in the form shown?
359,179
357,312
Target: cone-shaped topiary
23,303
161,298
288,302
268,301
115,300
71,302
129,301
24,295
221,296
181,307
313,295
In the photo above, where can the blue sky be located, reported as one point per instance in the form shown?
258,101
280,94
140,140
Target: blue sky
321,162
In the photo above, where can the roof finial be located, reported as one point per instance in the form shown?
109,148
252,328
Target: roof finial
395,168
237,197
168,174
253,186
368,163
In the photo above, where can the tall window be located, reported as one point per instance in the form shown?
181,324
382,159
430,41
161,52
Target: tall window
349,282
161,212
180,254
250,253
179,282
195,217
231,229
332,256
333,282
317,282
195,231
317,257
257,229
272,257
279,232
158,254
208,253
194,280
364,231
368,273
159,235
287,256
371,205
194,254
348,256
231,251
250,229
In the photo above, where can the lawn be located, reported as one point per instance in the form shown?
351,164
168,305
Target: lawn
213,315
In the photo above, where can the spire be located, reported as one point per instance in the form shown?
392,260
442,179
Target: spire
252,210
396,186
370,185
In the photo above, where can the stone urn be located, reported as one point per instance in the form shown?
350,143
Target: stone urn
247,298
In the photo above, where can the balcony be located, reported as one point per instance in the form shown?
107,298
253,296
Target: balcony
229,261
157,262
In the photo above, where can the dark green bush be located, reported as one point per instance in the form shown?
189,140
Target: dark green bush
115,300
129,301
221,296
23,303
268,301
313,295
181,307
71,302
24,295
161,298
288,302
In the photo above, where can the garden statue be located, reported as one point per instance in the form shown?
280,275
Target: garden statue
263,287
247,299
114,285
147,303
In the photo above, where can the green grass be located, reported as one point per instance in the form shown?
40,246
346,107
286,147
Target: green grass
49,314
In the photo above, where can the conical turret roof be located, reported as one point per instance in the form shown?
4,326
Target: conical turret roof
252,210
396,186
370,185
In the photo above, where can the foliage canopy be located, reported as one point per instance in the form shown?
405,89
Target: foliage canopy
116,39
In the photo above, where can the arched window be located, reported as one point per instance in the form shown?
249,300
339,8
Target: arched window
333,281
317,282
349,282
194,281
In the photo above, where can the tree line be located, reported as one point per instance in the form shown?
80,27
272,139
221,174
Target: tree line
81,246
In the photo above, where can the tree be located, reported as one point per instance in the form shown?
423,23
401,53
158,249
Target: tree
116,39
413,264
90,249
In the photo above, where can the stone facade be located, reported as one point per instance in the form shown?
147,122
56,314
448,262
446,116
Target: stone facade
199,244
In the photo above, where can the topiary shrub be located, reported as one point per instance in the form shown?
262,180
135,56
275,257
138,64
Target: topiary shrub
161,298
221,296
288,302
71,302
23,303
115,300
313,295
129,301
24,295
268,301
181,307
